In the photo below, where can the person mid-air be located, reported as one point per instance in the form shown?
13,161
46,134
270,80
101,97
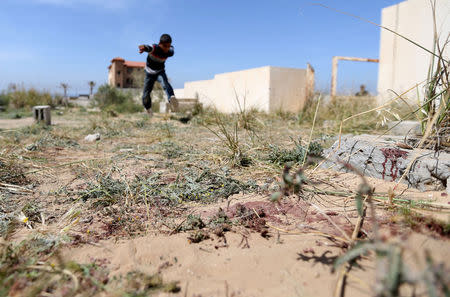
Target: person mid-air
155,71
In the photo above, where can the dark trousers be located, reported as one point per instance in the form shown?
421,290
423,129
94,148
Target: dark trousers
149,82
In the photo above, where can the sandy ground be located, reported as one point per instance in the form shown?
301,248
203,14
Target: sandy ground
289,263
8,124
292,261
266,268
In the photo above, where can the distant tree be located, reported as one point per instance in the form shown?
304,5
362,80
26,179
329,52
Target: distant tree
91,87
12,87
65,87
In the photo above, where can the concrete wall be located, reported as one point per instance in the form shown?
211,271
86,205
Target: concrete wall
286,84
267,89
179,93
402,64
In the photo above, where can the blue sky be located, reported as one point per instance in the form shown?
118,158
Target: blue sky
45,42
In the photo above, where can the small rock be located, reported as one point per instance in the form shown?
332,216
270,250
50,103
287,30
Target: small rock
92,137
125,150
87,220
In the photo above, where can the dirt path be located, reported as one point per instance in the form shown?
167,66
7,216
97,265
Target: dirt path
16,123
6,124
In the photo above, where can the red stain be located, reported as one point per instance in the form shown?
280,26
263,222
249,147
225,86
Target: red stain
392,154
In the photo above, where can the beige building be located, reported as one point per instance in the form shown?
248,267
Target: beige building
122,73
402,64
267,89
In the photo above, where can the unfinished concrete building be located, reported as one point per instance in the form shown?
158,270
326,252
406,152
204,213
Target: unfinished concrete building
403,64
267,89
122,73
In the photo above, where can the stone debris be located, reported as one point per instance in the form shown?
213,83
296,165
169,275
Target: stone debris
383,158
126,150
92,137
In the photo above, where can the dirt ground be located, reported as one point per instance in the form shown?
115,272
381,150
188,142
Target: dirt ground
259,248
8,124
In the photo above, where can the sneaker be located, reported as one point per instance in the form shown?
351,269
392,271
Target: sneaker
173,104
150,113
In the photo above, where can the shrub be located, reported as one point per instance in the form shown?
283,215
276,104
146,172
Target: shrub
4,99
19,97
110,98
295,155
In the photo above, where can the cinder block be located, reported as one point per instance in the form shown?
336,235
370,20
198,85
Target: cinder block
42,113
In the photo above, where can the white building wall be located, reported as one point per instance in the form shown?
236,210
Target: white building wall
249,87
203,90
179,93
402,64
287,89
266,89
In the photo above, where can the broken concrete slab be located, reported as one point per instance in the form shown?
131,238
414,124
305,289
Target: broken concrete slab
383,158
403,128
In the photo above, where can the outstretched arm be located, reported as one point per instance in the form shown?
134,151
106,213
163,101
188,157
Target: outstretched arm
145,48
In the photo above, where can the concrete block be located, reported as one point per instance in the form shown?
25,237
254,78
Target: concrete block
381,158
42,113
184,105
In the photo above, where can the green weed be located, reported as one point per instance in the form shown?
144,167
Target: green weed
295,155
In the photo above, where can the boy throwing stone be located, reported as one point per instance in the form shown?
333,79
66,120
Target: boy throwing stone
155,71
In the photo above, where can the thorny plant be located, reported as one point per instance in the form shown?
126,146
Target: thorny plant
246,117
392,272
167,128
231,139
